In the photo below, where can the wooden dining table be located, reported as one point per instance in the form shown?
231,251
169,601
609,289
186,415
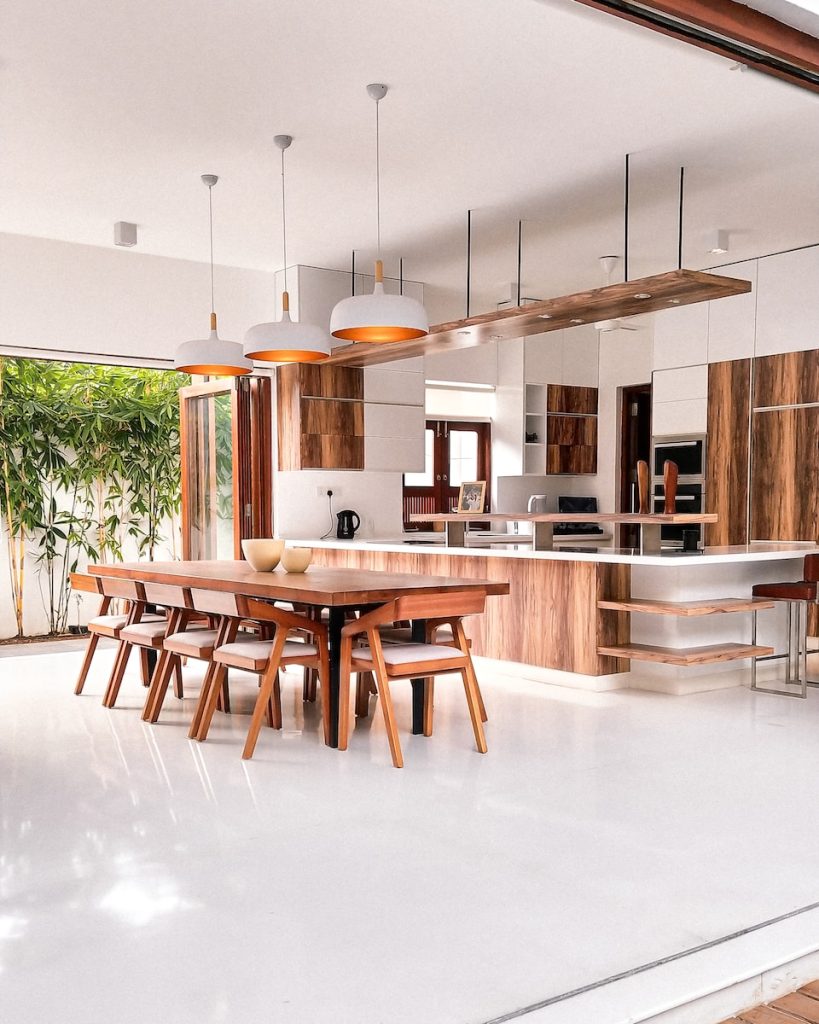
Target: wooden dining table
335,589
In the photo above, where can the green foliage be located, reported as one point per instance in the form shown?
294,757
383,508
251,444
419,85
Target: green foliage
89,455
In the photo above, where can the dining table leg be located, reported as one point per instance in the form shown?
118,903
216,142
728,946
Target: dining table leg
419,636
334,627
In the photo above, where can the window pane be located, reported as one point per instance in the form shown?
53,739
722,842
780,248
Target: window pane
463,456
424,479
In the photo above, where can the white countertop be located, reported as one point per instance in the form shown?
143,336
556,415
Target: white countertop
759,551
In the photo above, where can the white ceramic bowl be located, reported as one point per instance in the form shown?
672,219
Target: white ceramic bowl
264,554
296,559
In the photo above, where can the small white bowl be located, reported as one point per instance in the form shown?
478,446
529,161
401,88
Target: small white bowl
263,554
296,559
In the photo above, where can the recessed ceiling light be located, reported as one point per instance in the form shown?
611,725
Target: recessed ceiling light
642,295
464,333
576,321
674,302
544,316
496,337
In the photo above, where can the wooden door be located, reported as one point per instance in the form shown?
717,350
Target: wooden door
455,452
785,484
227,486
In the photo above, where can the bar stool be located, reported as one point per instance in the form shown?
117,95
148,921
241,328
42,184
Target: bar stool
798,595
102,624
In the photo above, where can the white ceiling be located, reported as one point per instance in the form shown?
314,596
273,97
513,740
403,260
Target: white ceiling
515,108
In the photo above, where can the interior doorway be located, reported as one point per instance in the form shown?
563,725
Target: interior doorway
455,452
635,444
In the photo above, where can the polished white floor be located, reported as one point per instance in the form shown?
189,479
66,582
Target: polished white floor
145,878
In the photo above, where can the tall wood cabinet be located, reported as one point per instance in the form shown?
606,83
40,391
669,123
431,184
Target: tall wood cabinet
769,491
320,412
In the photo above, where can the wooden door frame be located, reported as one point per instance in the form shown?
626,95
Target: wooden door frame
252,466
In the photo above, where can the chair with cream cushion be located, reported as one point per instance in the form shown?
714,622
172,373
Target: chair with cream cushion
411,660
149,634
188,640
266,657
101,625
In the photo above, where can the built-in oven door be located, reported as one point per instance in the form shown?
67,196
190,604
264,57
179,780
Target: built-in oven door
687,453
690,501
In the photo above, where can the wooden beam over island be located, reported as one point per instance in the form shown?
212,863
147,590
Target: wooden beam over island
543,524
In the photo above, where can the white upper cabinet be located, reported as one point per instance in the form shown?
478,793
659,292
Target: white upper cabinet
788,302
395,387
681,336
543,358
393,437
476,365
732,321
581,356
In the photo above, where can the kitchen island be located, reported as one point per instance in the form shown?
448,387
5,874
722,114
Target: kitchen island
608,618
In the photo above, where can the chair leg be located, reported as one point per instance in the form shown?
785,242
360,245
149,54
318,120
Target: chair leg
199,711
268,688
389,719
481,705
179,693
344,692
470,684
117,673
362,695
309,688
324,673
86,662
159,687
209,706
429,701
144,666
224,694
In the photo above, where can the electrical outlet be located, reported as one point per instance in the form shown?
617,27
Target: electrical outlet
327,492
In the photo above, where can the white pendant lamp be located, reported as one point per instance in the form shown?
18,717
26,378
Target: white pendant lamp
211,356
286,341
378,317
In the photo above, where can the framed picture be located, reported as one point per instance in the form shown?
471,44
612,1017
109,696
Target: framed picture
471,496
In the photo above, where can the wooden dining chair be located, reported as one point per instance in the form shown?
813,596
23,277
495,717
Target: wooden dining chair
412,660
147,634
401,633
103,624
266,658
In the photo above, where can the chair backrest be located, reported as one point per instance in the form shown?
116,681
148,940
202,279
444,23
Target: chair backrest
440,606
811,569
131,590
214,602
88,584
167,595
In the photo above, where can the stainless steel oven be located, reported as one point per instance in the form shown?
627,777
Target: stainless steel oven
688,452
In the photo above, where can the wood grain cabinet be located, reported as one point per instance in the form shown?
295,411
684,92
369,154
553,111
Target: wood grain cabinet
320,415
571,429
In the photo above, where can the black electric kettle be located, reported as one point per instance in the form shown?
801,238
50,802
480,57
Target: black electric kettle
348,523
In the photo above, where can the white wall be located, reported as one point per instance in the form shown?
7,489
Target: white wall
86,299
301,511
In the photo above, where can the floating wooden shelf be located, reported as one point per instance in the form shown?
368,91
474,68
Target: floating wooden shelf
685,656
646,295
688,608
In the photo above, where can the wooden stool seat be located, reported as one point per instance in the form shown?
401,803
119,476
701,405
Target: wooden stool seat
254,655
192,643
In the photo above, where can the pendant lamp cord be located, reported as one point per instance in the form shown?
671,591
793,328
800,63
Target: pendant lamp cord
284,227
210,214
377,179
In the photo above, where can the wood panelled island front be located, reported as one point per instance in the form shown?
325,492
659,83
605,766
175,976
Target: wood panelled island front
551,617
669,621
